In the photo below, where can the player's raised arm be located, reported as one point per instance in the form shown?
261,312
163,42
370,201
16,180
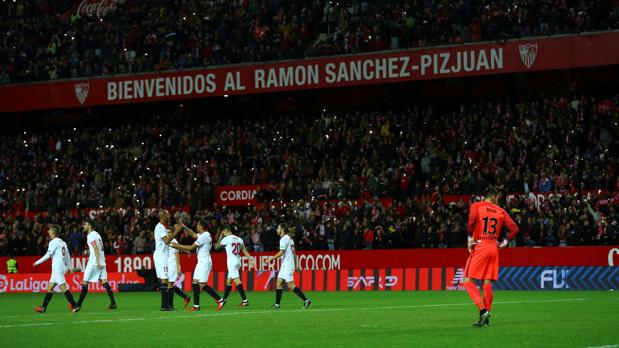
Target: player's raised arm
182,247
172,234
189,231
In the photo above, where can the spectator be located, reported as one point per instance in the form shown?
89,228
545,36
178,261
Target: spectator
368,238
120,245
139,243
256,239
329,233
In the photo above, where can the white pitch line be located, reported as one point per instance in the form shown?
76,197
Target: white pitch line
608,346
320,310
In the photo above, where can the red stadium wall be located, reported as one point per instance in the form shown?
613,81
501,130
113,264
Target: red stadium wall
384,279
358,270
532,54
362,259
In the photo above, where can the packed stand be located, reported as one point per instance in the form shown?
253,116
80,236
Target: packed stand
554,145
48,40
567,220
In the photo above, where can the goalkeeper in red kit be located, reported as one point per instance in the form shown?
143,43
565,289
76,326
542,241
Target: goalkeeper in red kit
486,219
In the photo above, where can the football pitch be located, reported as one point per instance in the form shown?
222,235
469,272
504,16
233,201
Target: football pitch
335,319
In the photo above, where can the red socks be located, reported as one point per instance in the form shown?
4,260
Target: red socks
488,296
474,294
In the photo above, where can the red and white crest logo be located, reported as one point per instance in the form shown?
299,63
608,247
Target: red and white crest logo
81,91
528,52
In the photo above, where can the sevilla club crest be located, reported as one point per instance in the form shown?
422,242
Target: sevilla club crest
528,52
81,91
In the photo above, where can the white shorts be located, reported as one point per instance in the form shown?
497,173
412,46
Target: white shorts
92,274
161,266
57,278
172,271
286,274
233,270
202,271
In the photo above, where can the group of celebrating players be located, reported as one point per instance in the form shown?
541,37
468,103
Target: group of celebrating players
486,220
167,264
165,244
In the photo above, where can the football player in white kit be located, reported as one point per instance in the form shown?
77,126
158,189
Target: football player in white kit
174,272
234,246
204,265
61,263
288,267
95,268
163,237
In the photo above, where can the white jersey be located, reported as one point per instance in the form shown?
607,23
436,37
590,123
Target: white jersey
233,245
204,247
287,245
172,255
59,253
161,248
94,241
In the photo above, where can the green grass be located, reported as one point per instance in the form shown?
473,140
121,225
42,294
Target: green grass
337,319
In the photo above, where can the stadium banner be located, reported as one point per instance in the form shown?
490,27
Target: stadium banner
537,198
464,60
243,195
239,195
38,282
322,260
430,278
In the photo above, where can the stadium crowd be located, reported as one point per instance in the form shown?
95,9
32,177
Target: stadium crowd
47,40
415,156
